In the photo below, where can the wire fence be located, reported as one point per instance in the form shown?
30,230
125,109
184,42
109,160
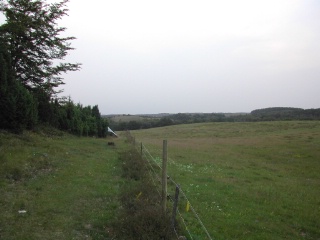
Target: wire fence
184,206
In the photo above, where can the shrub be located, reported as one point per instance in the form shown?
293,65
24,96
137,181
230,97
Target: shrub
141,215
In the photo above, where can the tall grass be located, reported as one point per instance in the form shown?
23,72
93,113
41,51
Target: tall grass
140,215
246,180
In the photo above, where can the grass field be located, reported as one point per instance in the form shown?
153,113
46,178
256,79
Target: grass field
56,186
246,180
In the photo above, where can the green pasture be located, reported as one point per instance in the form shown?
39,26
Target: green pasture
57,186
245,180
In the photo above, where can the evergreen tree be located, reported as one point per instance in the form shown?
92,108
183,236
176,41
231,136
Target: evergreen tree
7,103
18,108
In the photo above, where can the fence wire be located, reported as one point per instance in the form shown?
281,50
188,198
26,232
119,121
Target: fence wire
145,153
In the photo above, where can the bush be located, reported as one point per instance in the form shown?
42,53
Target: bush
133,166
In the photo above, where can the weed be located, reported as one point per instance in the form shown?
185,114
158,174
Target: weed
141,215
133,167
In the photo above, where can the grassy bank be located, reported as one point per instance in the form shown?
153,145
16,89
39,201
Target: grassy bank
56,186
246,180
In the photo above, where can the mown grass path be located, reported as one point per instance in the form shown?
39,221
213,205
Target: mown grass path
68,187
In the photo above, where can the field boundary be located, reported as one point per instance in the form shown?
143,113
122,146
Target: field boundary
155,170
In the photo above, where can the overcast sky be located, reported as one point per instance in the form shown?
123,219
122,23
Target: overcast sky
147,56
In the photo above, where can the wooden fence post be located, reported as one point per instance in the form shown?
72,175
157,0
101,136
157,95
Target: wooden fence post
175,206
141,148
164,176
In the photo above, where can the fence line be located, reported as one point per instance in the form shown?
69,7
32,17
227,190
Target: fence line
148,156
155,175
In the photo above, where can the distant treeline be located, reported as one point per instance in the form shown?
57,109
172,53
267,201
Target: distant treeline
266,114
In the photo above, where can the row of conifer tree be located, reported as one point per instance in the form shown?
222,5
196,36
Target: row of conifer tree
22,108
30,47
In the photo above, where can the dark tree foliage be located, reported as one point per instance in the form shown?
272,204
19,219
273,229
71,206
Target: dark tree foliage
285,113
81,121
102,123
33,39
267,114
18,108
45,107
166,121
30,44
